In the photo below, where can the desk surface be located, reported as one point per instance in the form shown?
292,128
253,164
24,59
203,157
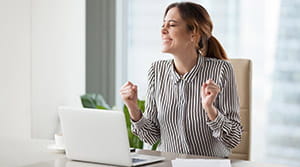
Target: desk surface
34,153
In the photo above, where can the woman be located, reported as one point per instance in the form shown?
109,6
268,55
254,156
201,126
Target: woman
192,105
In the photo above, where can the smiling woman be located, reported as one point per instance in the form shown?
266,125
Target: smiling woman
192,103
263,31
191,27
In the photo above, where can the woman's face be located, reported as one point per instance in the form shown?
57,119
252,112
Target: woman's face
175,36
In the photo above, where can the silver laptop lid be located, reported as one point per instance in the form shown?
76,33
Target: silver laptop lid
95,135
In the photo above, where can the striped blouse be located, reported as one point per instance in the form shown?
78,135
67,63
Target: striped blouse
174,114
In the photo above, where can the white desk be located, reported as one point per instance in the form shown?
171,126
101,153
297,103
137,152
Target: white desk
34,153
24,152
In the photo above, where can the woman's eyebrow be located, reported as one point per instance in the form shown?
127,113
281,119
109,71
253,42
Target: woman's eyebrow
171,21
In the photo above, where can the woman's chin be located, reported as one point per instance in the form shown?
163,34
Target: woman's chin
165,50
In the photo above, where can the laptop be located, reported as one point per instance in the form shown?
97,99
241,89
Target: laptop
99,136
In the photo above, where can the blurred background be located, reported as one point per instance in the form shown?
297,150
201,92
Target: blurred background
53,51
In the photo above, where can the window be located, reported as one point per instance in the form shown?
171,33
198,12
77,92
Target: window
284,105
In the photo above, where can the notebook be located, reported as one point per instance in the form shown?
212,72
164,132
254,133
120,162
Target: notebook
99,136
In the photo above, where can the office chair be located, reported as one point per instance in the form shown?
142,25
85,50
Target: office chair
243,74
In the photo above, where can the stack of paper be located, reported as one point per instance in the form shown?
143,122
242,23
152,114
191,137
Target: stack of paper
201,163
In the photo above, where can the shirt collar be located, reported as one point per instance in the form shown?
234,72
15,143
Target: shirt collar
189,76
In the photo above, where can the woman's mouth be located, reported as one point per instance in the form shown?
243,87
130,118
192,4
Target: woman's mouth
166,40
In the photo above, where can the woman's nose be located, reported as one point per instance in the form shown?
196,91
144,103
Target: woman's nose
164,30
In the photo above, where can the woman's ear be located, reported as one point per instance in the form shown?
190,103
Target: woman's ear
192,37
195,39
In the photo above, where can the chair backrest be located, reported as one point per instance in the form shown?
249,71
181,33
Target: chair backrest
243,75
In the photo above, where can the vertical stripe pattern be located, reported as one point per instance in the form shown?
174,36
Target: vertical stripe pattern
174,113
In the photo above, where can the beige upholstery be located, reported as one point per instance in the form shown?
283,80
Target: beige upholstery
243,69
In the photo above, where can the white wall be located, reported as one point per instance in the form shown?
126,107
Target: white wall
42,64
15,68
58,61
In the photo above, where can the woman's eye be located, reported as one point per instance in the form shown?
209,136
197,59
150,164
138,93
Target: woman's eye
168,25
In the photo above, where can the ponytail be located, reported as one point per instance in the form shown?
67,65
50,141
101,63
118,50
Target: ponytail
215,49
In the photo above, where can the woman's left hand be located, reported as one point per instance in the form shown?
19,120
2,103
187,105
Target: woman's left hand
209,92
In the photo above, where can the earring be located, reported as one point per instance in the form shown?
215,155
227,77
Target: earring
200,52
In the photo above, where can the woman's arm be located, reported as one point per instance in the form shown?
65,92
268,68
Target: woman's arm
147,128
226,126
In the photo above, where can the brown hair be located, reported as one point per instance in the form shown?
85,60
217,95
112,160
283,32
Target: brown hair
198,21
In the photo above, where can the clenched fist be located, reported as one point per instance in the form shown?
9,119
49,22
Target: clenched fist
209,92
128,94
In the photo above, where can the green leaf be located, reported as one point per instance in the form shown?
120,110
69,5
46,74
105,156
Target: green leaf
141,104
133,140
101,107
92,100
127,116
154,146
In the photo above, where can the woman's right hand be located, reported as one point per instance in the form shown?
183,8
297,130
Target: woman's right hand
128,94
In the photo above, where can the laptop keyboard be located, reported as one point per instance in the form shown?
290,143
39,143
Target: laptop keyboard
135,160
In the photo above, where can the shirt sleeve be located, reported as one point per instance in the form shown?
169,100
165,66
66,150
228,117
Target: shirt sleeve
147,128
227,127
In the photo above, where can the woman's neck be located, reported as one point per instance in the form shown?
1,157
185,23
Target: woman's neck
185,62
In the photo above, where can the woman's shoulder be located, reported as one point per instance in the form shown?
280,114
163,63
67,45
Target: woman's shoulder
218,62
161,63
